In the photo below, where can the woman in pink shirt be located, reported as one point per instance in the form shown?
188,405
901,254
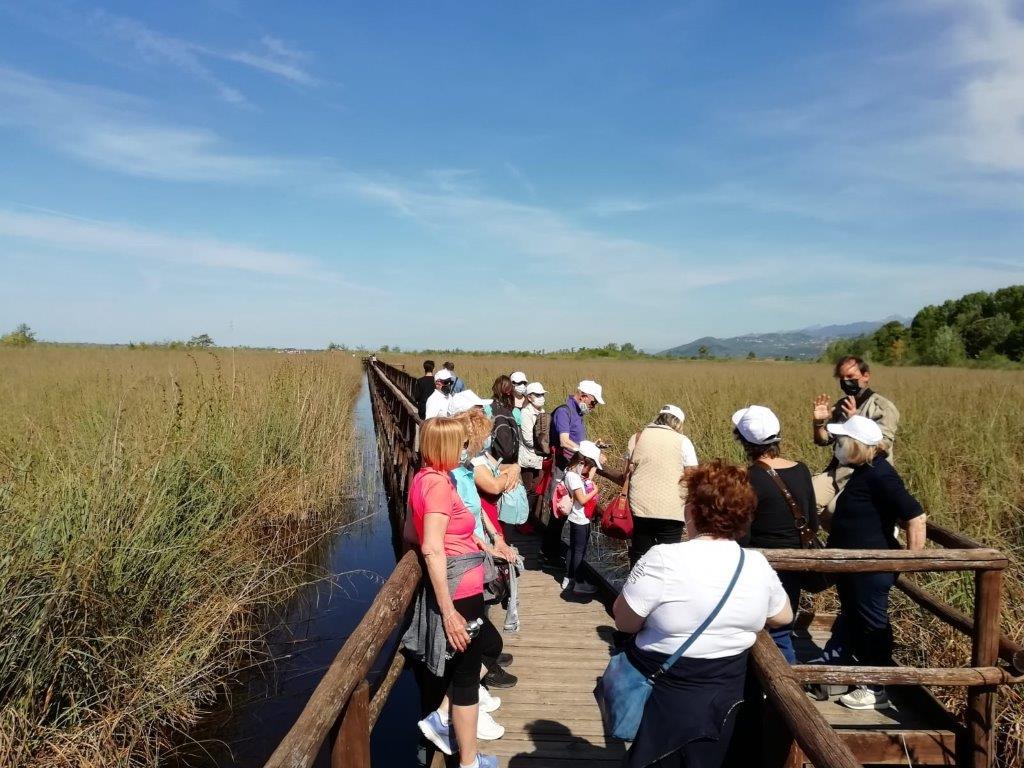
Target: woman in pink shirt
444,529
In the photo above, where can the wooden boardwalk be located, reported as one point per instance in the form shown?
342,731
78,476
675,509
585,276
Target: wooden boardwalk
550,717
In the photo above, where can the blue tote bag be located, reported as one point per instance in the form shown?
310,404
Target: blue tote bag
622,691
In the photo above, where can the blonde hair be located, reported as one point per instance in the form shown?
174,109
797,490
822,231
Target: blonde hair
441,442
857,453
477,427
670,421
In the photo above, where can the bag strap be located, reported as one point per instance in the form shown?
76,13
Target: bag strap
629,464
806,534
707,623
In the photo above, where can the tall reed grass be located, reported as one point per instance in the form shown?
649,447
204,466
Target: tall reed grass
155,505
960,448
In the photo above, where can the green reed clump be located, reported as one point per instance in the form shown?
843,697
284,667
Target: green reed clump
959,448
155,506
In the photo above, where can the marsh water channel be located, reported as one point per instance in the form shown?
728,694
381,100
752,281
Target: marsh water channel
316,624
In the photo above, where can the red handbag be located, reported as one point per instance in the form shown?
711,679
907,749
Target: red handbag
617,517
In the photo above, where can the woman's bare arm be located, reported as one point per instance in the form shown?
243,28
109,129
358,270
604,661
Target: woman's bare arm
626,619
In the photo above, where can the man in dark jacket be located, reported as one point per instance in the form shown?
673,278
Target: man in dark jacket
424,387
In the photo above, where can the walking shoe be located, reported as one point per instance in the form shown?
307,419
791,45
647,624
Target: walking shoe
566,582
584,589
863,697
487,729
486,761
504,659
437,732
499,678
488,703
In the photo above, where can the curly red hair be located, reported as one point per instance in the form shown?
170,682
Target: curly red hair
720,499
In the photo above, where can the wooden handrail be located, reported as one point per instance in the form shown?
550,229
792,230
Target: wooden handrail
302,743
807,725
885,560
961,677
1009,651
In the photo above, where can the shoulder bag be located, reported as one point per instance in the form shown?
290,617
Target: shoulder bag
812,581
617,516
622,691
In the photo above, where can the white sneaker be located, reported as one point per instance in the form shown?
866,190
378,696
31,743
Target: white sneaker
865,698
487,729
438,733
566,583
584,589
488,703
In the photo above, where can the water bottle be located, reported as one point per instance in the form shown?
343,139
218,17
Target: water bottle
472,629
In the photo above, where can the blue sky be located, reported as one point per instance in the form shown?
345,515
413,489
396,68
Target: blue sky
529,175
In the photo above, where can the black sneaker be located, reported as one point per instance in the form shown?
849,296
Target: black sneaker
499,678
504,659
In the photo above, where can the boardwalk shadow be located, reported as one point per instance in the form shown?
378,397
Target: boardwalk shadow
554,743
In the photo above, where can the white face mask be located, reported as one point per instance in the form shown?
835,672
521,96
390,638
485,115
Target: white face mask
464,456
520,389
538,401
584,408
842,452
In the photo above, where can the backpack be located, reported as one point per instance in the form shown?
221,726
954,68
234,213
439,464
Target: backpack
542,436
513,506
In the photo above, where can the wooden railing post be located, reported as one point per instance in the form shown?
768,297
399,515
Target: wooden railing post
981,699
351,748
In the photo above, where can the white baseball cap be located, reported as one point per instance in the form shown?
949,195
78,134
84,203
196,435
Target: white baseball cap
757,425
518,377
588,387
591,451
443,375
536,388
464,400
860,428
674,410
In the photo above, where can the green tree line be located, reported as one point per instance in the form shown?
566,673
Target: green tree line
982,326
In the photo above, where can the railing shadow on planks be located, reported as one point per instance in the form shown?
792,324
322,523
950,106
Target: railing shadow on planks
342,709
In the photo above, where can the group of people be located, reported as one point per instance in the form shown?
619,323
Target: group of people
696,581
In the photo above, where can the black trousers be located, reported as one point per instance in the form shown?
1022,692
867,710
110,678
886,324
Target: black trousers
461,679
648,531
579,538
864,601
530,476
552,544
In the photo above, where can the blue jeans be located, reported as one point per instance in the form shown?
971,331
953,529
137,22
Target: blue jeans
783,636
579,537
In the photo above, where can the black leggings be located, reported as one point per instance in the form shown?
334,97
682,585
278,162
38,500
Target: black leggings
648,531
462,671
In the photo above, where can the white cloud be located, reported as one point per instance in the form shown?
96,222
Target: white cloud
111,130
65,233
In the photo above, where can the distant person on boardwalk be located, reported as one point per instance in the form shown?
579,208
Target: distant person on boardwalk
531,456
566,433
423,388
854,376
873,503
657,456
452,601
505,432
458,385
578,480
775,525
689,718
440,401
519,386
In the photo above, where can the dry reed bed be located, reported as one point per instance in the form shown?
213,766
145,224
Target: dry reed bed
959,448
156,504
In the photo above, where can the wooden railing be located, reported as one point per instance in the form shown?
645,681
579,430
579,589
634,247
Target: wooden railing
343,709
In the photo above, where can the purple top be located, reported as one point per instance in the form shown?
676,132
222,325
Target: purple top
567,418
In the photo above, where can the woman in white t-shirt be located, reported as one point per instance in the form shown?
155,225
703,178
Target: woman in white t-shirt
579,474
670,592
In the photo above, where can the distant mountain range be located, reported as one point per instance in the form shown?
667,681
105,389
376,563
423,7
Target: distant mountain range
802,344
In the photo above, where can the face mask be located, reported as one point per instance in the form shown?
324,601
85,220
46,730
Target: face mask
539,402
520,389
849,386
464,456
841,452
584,406
487,443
